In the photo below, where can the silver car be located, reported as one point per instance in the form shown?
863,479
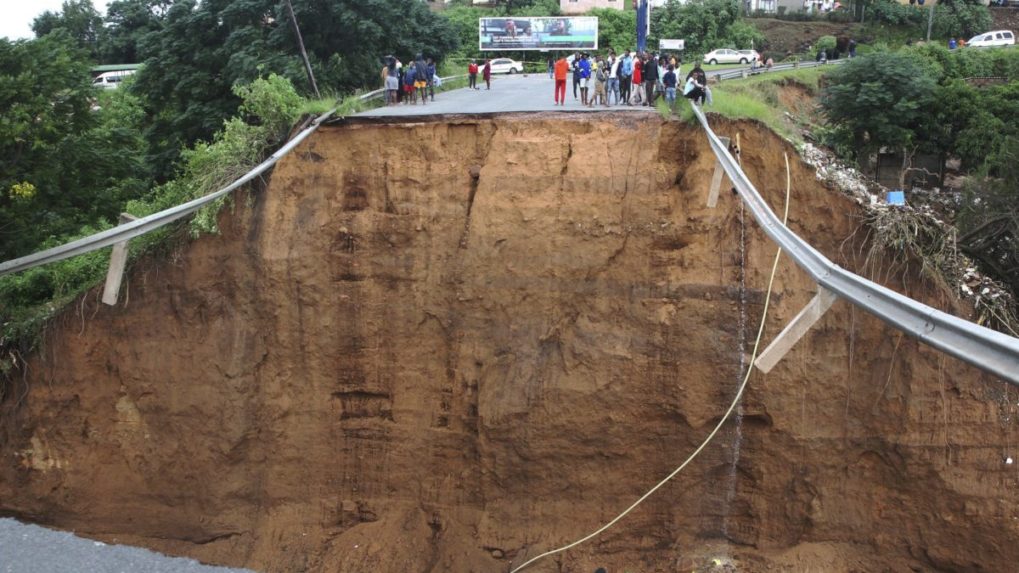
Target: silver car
728,56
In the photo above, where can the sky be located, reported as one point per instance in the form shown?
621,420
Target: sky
18,15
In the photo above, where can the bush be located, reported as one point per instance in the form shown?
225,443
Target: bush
268,110
826,43
894,14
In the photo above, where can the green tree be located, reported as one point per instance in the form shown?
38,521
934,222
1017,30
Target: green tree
704,24
960,19
464,20
45,93
128,22
79,19
879,100
617,29
203,49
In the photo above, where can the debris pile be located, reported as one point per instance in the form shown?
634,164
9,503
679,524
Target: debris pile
993,302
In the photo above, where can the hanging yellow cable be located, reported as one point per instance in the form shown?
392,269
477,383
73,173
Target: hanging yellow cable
711,436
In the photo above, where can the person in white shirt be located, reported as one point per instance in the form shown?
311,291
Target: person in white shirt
613,87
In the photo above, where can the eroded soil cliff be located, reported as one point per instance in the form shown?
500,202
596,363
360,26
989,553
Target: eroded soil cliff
451,346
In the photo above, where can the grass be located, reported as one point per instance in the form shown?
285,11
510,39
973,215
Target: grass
759,98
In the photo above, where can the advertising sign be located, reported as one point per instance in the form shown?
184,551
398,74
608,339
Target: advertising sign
527,33
671,45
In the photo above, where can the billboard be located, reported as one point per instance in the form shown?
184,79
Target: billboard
671,45
527,33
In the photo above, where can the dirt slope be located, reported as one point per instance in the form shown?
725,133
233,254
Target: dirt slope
449,346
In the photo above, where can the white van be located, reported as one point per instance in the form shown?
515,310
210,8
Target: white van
996,38
111,80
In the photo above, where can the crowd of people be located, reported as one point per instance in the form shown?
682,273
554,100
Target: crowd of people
637,78
633,79
407,84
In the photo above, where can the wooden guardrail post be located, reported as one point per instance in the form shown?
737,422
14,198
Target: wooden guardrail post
795,330
716,178
118,260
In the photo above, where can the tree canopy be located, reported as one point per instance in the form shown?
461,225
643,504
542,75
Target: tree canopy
201,50
705,25
78,20
61,163
879,99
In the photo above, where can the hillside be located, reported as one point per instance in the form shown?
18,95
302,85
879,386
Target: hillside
784,37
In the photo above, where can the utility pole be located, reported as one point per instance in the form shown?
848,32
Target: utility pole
930,20
304,54
643,23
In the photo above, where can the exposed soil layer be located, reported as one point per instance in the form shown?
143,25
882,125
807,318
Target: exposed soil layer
451,346
784,37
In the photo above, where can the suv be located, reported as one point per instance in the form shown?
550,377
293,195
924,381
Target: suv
996,38
111,80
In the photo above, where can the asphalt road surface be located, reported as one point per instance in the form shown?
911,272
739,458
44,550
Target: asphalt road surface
34,549
509,94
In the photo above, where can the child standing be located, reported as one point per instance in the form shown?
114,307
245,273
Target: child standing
669,81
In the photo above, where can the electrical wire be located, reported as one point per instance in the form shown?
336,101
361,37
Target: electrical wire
725,417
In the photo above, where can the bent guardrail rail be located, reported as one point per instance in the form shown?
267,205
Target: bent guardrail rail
982,347
152,222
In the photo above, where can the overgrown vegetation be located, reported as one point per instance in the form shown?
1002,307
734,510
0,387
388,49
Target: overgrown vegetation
269,108
704,24
760,98
919,101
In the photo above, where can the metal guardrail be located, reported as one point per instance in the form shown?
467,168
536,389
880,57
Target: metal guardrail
984,348
152,222
746,72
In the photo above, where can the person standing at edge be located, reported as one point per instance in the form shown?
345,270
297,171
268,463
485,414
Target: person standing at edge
601,80
486,74
669,81
431,78
472,75
638,86
409,83
576,73
650,76
421,77
625,71
585,77
392,81
562,69
613,87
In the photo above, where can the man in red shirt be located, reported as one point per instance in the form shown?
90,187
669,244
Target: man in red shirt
472,75
562,68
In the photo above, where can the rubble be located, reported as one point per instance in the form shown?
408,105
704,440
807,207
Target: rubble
985,294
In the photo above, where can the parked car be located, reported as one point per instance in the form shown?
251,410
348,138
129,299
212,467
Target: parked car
111,80
751,55
996,38
507,66
728,56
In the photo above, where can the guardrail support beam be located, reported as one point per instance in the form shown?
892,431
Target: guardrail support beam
716,178
118,260
795,330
